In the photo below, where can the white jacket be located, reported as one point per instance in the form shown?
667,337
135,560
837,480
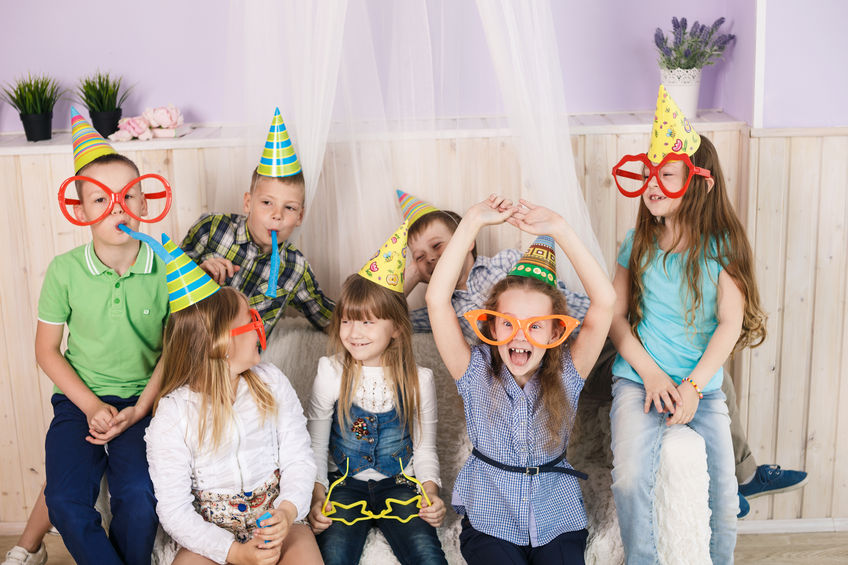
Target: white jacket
247,456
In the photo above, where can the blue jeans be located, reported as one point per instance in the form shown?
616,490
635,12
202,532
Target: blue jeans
636,442
74,469
413,543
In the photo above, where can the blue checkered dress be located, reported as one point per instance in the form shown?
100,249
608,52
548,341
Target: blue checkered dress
485,273
504,424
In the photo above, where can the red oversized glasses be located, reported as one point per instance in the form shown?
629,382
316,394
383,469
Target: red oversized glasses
505,327
633,173
256,325
152,192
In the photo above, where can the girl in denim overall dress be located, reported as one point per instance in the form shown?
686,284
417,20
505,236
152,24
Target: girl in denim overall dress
372,417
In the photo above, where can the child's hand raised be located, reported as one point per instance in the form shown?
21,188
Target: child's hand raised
494,210
536,220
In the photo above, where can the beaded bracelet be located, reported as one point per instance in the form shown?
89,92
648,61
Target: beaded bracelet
695,386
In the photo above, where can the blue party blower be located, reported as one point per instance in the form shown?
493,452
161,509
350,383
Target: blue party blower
265,516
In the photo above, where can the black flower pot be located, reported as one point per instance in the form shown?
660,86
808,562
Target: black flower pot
37,126
106,123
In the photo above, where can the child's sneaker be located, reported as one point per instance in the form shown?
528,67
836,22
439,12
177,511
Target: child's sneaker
744,507
20,556
771,479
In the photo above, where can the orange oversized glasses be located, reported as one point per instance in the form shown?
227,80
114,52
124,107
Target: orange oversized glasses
633,173
505,327
256,324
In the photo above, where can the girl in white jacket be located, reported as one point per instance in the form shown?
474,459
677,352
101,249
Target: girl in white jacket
228,442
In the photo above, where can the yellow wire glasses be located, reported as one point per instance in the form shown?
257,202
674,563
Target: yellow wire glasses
367,514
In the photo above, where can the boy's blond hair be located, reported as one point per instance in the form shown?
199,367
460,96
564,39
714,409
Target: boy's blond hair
294,180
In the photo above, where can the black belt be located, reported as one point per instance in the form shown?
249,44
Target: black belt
549,467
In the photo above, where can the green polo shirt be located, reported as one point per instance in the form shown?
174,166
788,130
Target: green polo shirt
115,323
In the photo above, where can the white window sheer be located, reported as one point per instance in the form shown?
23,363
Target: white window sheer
365,89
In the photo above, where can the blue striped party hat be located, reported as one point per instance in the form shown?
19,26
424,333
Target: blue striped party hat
187,283
278,156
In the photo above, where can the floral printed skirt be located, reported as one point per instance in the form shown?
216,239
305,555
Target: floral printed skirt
237,513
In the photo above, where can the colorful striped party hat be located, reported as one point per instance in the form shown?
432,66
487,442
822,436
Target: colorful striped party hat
278,157
671,132
413,208
386,267
187,283
539,262
88,144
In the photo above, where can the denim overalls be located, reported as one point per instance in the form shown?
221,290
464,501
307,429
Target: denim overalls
375,441
371,441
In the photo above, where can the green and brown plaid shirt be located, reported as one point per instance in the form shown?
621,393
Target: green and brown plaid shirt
226,235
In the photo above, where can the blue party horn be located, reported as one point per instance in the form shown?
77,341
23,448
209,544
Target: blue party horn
275,267
155,245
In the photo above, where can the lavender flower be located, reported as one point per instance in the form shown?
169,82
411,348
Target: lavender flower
695,48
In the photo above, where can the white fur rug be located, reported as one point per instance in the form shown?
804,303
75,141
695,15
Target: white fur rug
682,505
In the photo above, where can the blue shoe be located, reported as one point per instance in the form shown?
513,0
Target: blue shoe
771,479
744,507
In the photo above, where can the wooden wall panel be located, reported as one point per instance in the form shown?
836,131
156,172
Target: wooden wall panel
801,233
789,191
828,340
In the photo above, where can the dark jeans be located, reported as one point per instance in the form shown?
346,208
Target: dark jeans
483,549
74,469
414,542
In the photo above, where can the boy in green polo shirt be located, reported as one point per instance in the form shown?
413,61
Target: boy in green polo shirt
111,293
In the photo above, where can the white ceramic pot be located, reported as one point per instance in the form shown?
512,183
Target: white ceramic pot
683,85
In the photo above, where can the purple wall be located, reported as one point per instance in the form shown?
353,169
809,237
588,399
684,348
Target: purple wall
805,64
175,52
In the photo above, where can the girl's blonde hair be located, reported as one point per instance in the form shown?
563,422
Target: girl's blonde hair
196,343
361,300
555,404
709,229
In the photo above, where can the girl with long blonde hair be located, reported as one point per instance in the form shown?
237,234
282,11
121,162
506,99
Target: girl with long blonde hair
372,416
227,447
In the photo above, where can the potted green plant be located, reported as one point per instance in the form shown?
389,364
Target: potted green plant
682,58
103,95
34,97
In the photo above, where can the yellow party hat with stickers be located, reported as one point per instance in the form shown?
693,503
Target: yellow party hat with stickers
187,283
87,143
386,267
672,132
278,157
413,208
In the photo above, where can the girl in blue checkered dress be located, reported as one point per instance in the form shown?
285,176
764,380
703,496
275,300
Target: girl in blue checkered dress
520,498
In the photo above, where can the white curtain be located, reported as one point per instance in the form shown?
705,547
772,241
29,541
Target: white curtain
381,95
524,50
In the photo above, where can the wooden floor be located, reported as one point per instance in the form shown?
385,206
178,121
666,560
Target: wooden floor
774,549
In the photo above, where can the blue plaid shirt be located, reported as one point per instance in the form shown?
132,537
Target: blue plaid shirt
505,422
485,273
